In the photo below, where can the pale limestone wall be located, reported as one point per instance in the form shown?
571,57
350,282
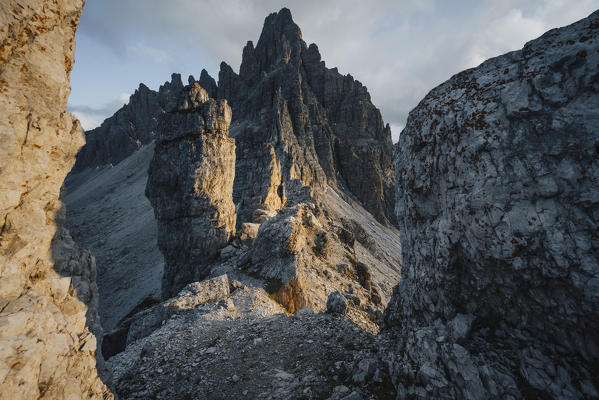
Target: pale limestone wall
46,349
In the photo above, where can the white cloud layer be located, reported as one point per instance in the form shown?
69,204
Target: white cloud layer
399,49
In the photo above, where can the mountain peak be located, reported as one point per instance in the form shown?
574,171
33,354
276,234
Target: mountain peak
283,17
280,42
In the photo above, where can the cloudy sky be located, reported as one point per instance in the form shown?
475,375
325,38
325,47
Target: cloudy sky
399,49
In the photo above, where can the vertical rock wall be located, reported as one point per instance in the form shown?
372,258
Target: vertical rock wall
190,186
320,126
498,203
46,282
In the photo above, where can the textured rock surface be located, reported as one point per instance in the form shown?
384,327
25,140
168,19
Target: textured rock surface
498,203
300,255
143,321
46,347
294,118
190,185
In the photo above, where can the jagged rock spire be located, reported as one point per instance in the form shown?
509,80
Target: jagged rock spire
280,41
322,125
190,184
208,83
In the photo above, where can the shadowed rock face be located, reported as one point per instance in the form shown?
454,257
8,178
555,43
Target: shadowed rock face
294,116
190,185
46,282
497,174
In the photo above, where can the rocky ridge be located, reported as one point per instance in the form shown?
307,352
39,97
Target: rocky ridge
48,295
498,208
296,118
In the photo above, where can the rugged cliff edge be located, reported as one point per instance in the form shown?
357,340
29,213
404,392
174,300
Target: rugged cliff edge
190,186
48,297
498,205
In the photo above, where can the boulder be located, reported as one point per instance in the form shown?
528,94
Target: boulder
336,303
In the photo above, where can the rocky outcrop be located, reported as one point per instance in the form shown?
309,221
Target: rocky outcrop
295,119
249,349
131,127
498,207
190,186
47,284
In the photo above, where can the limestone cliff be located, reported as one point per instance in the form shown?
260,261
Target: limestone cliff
190,185
498,207
296,118
314,246
131,127
46,282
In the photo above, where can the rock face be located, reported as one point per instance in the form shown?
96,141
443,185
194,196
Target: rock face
498,204
201,181
295,119
47,284
131,127
190,185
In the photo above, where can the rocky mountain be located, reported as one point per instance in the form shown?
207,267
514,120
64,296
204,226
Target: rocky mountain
131,127
498,205
322,244
496,193
48,295
324,241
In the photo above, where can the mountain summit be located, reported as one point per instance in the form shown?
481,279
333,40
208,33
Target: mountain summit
290,112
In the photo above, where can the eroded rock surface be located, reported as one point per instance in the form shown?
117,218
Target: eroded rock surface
498,205
132,126
295,119
190,185
47,284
